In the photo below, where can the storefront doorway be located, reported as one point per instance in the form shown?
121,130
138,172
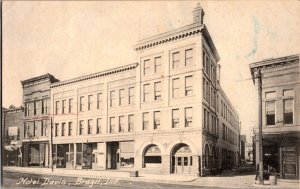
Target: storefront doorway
182,159
289,162
113,156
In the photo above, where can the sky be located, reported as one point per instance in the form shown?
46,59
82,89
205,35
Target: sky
71,39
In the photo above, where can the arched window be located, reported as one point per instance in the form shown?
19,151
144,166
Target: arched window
206,155
152,156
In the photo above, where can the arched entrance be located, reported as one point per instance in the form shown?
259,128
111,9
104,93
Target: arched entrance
182,159
206,156
152,157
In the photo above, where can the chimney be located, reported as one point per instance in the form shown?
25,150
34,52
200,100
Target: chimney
218,73
198,14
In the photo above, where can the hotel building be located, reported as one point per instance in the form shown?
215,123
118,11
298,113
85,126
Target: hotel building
164,114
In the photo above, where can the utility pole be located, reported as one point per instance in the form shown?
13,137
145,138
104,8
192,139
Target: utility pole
261,181
51,144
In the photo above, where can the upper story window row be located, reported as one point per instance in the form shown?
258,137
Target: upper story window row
210,121
228,135
64,106
182,58
36,129
37,107
186,90
209,68
122,97
152,65
285,103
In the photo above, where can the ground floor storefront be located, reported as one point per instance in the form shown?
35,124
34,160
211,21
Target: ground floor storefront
122,155
281,155
35,154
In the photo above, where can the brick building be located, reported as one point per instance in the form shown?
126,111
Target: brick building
12,135
165,114
280,114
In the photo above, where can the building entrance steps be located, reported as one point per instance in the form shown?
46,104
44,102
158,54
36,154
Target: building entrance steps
121,175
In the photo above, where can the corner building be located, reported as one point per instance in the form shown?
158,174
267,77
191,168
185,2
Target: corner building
163,114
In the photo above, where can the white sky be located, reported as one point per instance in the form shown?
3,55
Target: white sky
70,39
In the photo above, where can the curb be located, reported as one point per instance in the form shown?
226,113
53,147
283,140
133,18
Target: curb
141,179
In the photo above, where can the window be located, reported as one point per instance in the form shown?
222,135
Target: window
188,57
131,123
270,94
146,121
63,106
70,105
146,67
112,98
34,108
204,60
44,106
56,129
188,85
90,128
99,100
157,64
188,117
146,93
157,91
270,111
204,118
176,60
27,109
131,95
121,124
175,118
156,117
208,66
121,97
112,124
35,128
207,90
70,129
288,111
98,125
63,129
44,127
223,131
81,127
81,103
175,88
90,102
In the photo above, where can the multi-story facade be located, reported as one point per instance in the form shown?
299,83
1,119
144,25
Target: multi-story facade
280,89
36,101
12,135
165,114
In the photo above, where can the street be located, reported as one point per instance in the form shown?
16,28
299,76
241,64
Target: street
17,179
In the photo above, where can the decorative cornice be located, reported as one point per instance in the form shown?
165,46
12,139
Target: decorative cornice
96,75
38,79
177,34
273,62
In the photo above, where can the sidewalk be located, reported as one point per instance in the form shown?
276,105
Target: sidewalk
121,175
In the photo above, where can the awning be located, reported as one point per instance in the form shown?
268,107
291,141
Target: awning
10,148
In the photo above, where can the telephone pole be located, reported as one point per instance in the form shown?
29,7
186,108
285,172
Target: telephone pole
261,179
51,144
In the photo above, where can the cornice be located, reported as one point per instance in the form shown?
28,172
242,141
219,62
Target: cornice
177,34
273,62
95,75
